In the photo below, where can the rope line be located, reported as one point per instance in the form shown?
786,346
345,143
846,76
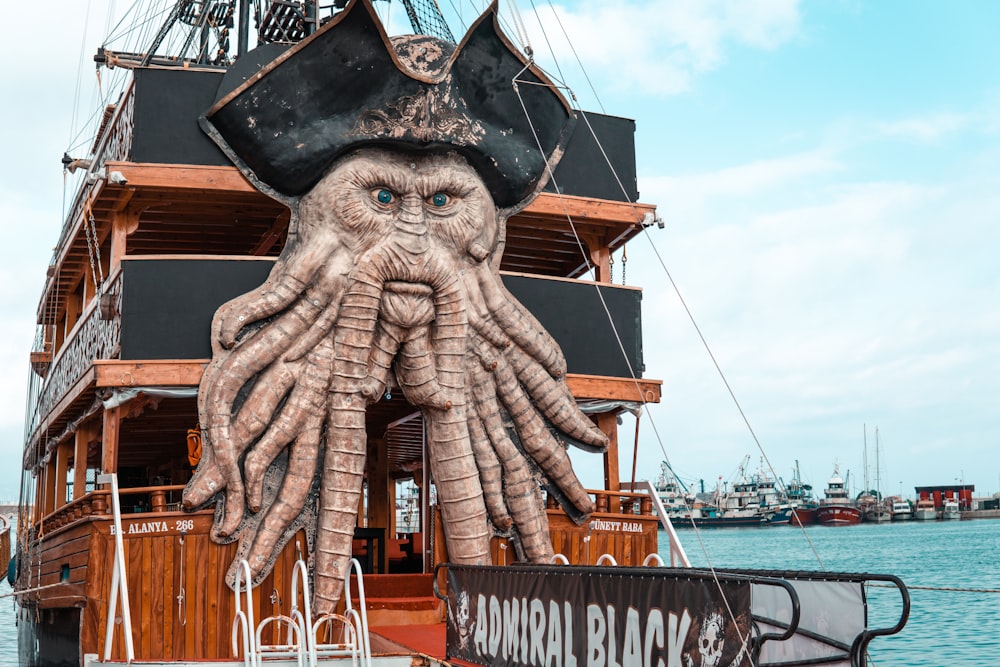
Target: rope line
944,589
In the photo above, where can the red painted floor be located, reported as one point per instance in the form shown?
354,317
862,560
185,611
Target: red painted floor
426,639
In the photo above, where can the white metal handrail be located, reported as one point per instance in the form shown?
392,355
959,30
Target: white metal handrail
366,646
655,558
607,559
351,623
244,620
678,558
119,580
300,573
294,648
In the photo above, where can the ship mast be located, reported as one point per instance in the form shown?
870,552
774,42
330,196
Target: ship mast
197,32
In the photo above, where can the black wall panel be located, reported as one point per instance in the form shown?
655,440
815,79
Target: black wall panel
584,170
169,102
167,309
167,305
167,106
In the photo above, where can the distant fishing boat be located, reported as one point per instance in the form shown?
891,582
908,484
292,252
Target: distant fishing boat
836,509
800,497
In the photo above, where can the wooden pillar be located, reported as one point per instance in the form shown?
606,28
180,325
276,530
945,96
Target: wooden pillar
49,490
83,437
109,438
600,257
73,308
123,223
64,452
393,528
608,422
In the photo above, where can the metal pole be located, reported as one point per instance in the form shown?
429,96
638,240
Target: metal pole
243,34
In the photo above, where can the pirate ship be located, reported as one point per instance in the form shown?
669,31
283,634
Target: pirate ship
297,275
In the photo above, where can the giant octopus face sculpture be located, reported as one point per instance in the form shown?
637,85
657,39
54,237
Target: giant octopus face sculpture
390,268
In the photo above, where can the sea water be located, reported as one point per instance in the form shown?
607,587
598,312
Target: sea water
936,559
946,627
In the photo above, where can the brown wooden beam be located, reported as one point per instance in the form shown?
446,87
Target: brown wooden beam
179,177
619,389
608,422
164,372
109,438
173,372
562,206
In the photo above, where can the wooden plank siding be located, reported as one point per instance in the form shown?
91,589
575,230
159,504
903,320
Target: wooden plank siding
195,627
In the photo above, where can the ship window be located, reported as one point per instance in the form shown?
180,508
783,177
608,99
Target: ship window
64,572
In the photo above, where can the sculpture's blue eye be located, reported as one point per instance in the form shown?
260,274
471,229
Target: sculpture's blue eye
439,199
384,196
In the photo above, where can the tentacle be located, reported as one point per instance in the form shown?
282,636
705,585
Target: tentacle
343,470
288,279
262,347
554,399
538,442
520,486
303,458
244,363
302,413
417,372
250,422
258,409
519,324
323,325
460,494
490,474
385,345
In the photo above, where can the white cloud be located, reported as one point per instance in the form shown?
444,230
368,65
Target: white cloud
659,47
925,128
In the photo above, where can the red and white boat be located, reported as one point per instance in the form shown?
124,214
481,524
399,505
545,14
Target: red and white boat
836,508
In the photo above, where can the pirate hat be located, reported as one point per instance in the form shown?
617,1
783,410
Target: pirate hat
349,85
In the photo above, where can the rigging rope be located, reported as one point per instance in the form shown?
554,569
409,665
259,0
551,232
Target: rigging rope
607,311
519,28
590,269
545,36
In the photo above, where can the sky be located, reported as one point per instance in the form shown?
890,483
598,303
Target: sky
828,176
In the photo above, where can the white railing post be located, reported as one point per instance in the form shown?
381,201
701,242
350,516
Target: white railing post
677,555
299,572
243,620
366,645
119,580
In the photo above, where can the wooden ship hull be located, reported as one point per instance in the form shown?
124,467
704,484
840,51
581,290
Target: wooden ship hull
163,232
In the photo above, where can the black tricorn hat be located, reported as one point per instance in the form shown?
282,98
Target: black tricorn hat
349,85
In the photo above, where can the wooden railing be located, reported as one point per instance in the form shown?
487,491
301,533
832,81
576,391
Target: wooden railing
624,502
92,338
157,499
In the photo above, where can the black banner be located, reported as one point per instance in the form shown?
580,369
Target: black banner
563,616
